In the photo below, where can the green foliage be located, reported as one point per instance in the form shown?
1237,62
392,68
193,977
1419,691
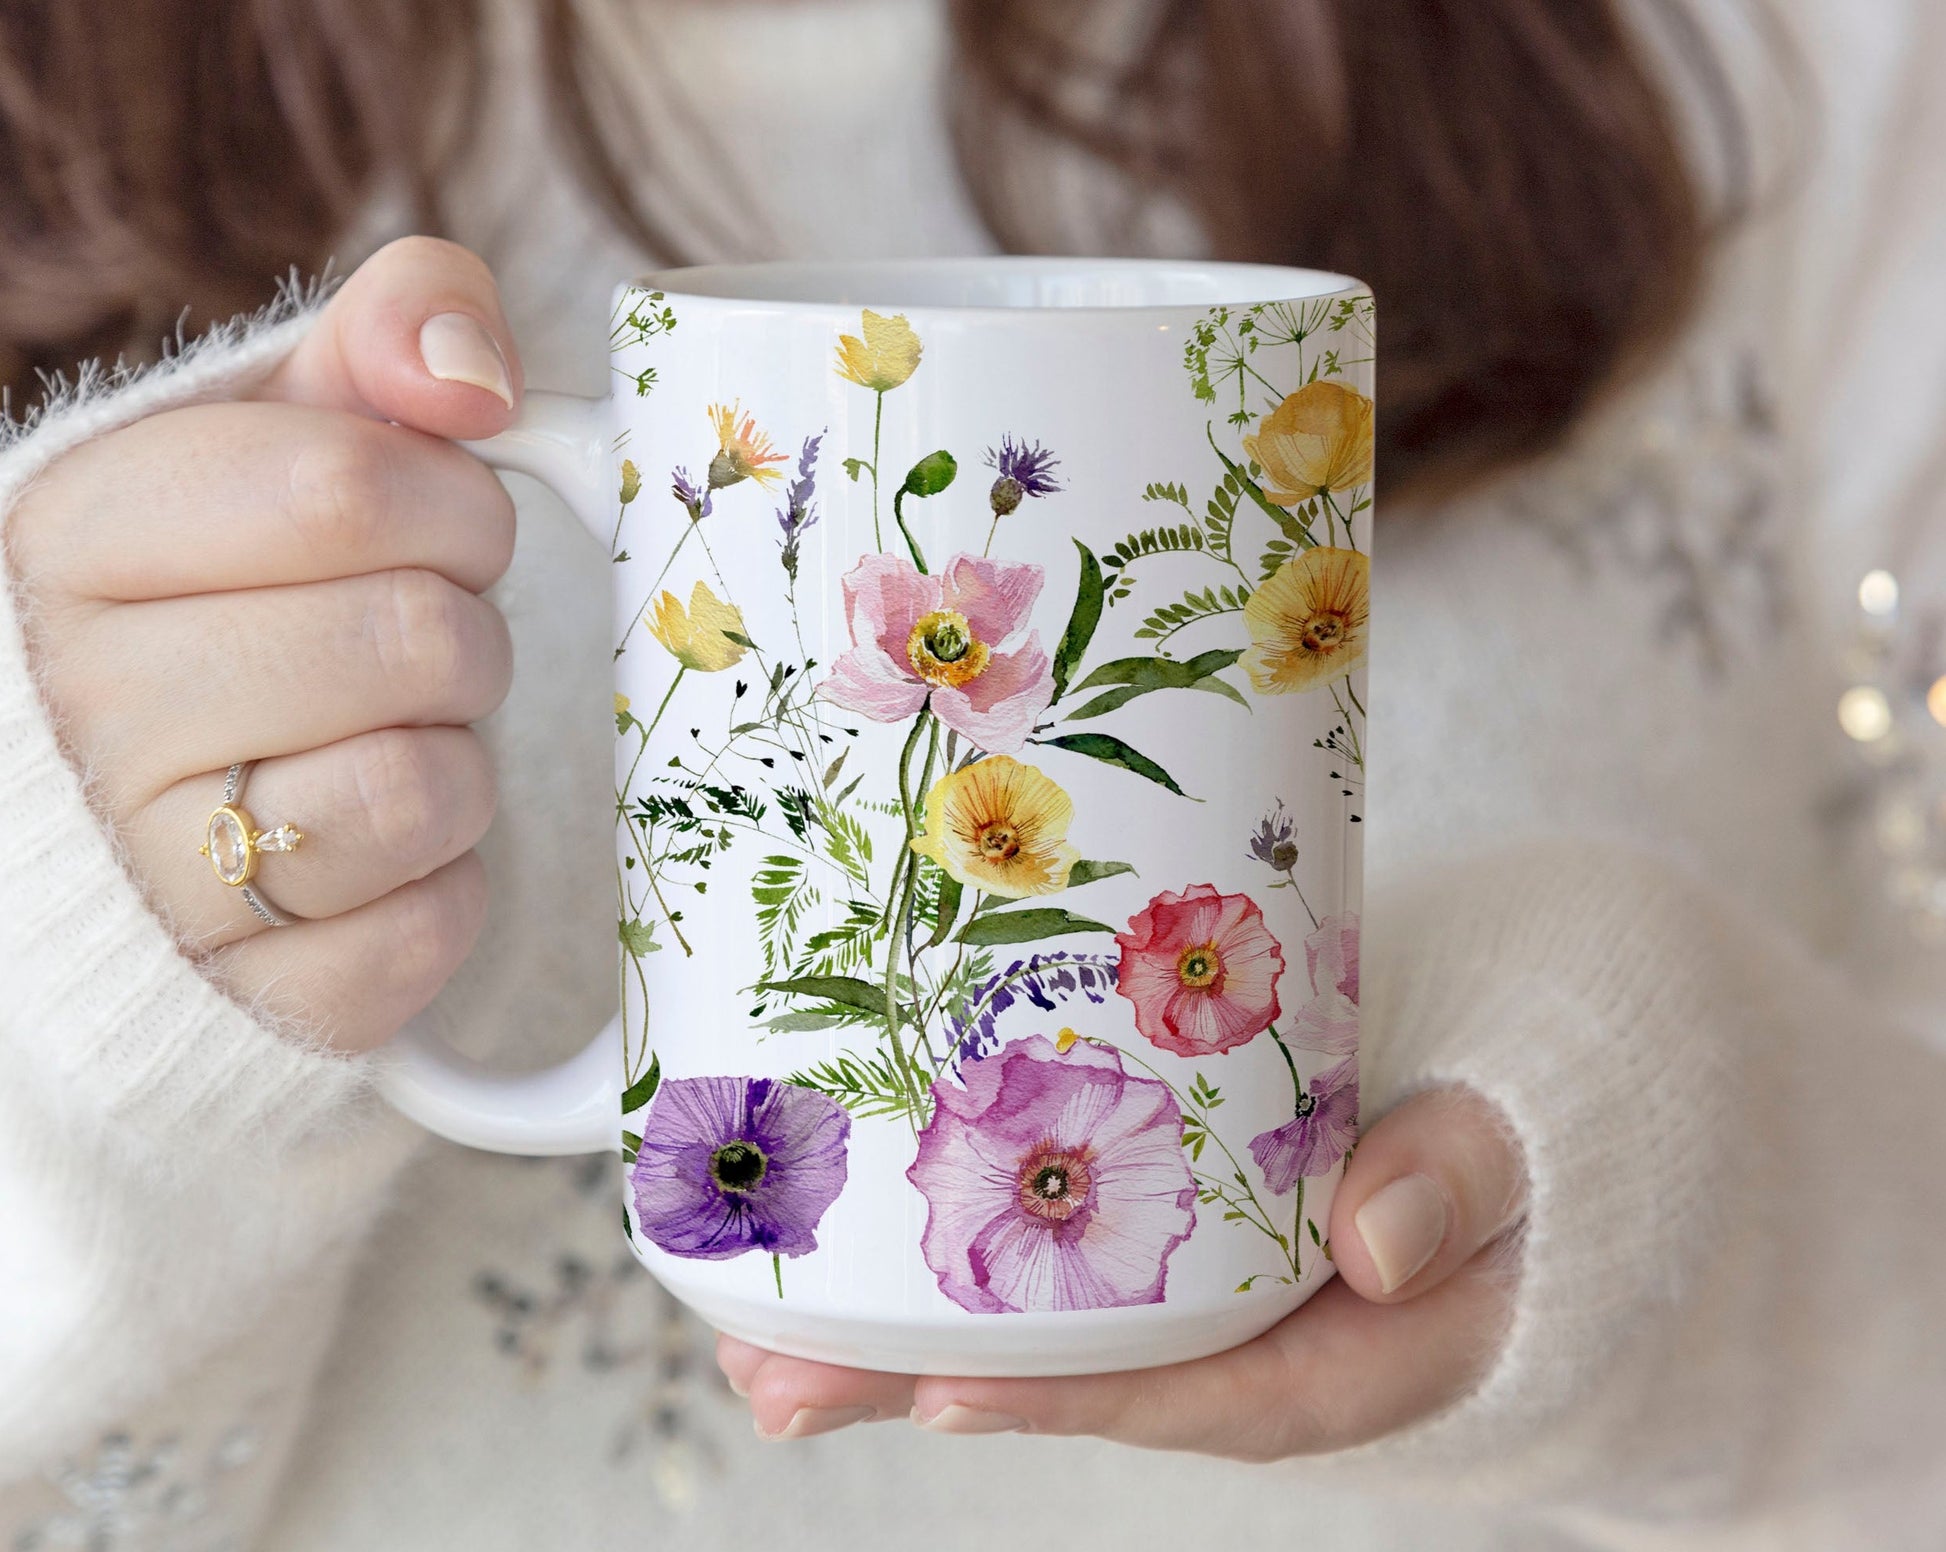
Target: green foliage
638,938
642,1090
1082,622
1134,676
1028,926
1210,602
1090,872
1150,541
1114,751
844,990
865,1085
1177,493
782,892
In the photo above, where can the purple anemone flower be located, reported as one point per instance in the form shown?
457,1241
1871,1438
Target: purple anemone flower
1053,1181
798,516
1321,1133
1024,471
697,499
729,1165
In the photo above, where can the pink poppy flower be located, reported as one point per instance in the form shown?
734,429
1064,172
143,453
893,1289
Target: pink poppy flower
1201,969
1053,1181
1331,954
944,638
1320,1134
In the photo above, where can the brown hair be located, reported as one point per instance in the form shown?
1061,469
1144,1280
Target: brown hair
1506,173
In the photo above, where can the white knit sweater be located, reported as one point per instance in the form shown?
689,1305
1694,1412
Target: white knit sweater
240,1305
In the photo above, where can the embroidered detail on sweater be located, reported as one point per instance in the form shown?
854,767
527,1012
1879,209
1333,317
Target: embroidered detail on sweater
1678,487
163,1494
594,1317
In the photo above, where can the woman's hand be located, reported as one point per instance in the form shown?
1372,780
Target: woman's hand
1419,1229
295,580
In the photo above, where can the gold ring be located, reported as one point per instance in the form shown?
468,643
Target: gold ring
231,839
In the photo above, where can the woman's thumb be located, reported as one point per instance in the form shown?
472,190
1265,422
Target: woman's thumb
1434,1181
415,336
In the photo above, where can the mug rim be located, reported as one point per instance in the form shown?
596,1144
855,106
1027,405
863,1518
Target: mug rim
883,284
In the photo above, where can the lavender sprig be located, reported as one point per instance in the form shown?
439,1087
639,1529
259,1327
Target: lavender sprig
799,516
1045,980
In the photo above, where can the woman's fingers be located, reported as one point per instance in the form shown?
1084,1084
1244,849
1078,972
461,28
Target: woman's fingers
376,811
258,495
355,979
1339,1372
1420,1235
181,686
415,336
792,1399
1428,1185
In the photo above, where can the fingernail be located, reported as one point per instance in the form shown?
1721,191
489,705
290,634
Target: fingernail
1403,1226
808,1422
965,1419
737,1387
457,348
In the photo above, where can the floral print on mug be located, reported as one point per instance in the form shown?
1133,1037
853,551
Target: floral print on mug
926,798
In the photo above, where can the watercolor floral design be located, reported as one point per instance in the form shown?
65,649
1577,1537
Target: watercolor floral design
1058,1173
1053,1181
725,1166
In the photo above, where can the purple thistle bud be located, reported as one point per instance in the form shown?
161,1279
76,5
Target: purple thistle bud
698,501
1024,471
1275,843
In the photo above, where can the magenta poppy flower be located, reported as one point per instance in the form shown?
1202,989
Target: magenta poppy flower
1331,955
1054,1181
1201,969
729,1165
1320,1134
944,638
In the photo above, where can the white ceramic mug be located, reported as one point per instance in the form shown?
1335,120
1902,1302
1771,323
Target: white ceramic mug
990,643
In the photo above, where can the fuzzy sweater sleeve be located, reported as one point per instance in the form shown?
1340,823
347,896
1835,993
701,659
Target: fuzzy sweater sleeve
171,1168
1729,1288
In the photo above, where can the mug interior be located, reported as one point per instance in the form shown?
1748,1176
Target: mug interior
990,284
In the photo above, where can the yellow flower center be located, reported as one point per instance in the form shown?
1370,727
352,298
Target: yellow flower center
998,841
944,652
1199,965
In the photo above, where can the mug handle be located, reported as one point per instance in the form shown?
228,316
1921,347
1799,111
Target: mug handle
575,1106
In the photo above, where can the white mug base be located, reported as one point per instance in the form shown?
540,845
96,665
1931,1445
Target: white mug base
1022,1346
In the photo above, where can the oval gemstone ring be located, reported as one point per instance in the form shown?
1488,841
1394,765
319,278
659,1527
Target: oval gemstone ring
232,841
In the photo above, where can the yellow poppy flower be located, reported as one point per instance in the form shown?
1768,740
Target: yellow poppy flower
885,358
1000,826
1318,439
1308,622
621,704
699,637
744,452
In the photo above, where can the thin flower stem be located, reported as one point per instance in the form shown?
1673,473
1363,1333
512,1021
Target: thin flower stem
1353,693
635,619
1291,874
777,1271
908,933
1289,1061
905,878
878,425
912,544
1262,1221
992,533
656,887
